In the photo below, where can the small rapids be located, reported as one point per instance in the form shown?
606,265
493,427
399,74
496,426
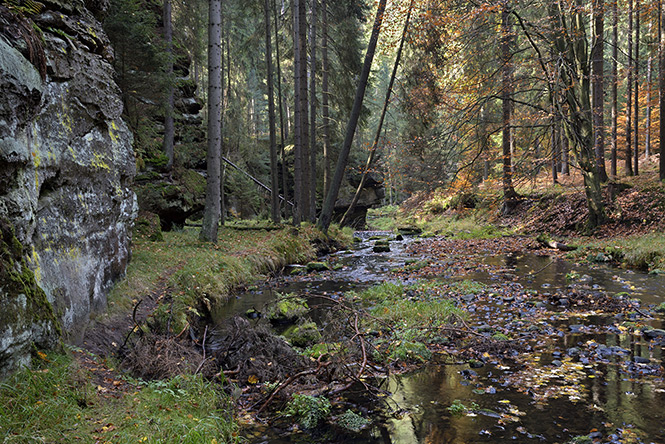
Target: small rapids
576,373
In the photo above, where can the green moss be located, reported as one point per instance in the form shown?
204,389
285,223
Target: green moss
303,335
19,282
287,308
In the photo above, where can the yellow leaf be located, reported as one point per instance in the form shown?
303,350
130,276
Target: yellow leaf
252,379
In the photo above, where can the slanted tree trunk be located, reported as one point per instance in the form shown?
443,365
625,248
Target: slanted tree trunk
598,87
282,128
509,194
331,196
169,127
212,205
377,136
636,63
615,81
629,94
274,176
312,114
325,97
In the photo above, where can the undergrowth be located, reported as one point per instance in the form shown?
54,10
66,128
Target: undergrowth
56,401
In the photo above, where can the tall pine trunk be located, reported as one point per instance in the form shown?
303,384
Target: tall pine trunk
615,81
312,114
325,97
331,197
636,107
661,89
629,94
274,176
212,205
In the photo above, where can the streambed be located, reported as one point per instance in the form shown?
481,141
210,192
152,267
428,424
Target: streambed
572,372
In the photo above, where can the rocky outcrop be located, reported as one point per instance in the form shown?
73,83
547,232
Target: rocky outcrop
66,166
371,196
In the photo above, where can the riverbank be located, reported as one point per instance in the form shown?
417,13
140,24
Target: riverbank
140,373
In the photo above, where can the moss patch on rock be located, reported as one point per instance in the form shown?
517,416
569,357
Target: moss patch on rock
27,316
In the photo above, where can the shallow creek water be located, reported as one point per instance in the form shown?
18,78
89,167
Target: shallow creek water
610,378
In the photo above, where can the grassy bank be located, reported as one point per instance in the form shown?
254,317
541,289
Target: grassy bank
197,273
58,401
76,396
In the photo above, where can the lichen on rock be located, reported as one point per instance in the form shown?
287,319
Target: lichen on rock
66,170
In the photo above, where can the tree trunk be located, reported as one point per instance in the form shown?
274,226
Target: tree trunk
554,142
331,196
647,124
598,87
636,64
325,96
629,94
377,136
274,175
297,120
661,90
312,115
509,194
169,127
212,205
282,129
615,81
570,41
306,174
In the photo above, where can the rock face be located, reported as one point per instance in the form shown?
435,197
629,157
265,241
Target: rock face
66,166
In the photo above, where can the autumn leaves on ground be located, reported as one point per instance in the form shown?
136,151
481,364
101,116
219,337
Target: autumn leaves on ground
149,370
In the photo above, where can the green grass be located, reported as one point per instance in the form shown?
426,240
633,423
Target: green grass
406,318
57,402
643,252
205,273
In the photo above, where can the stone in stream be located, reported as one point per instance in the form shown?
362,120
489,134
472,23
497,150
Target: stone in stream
641,360
381,246
317,266
573,351
653,334
575,328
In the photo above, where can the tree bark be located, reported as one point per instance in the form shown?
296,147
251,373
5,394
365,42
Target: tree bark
598,86
312,114
331,196
661,88
647,124
325,97
212,206
509,194
615,81
282,129
629,94
297,120
636,106
274,175
571,42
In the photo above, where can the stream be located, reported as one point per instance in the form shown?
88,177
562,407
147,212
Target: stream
593,375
